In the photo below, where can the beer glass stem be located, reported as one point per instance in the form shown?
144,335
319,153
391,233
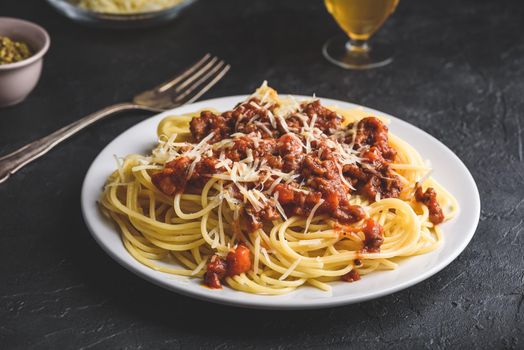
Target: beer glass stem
357,53
357,46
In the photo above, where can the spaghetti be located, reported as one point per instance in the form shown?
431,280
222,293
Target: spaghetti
275,194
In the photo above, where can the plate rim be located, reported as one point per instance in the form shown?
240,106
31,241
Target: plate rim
138,269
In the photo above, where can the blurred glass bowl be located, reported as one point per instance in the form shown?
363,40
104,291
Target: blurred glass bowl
133,20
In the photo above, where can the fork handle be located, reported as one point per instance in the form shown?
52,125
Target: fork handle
14,161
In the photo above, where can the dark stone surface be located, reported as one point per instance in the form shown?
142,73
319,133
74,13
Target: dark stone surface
459,74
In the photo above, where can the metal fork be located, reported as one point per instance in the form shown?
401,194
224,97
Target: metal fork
184,88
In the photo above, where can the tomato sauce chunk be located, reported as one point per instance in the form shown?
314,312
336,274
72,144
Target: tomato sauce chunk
216,271
429,199
238,260
351,276
374,236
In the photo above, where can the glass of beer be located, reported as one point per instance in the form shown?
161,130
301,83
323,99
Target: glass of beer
359,19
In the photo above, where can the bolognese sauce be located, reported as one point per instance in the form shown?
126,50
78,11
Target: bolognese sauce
237,261
306,163
429,199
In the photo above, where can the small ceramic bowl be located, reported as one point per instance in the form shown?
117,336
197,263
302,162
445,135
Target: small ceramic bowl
18,79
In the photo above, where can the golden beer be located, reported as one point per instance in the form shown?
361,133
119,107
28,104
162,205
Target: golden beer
360,18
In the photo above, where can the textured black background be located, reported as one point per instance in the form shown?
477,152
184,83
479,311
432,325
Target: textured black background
458,74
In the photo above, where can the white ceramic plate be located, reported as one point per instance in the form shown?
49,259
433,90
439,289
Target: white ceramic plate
448,170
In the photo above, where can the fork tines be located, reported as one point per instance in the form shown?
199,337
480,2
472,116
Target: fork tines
195,80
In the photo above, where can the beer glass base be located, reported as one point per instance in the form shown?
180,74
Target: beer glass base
340,51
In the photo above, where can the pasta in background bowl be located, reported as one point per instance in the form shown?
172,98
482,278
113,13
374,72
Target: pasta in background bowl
125,6
120,13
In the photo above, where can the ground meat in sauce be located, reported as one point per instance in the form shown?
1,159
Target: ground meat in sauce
256,219
173,178
319,170
208,123
351,276
372,132
375,176
237,261
216,271
289,144
374,236
429,199
203,171
327,120
249,117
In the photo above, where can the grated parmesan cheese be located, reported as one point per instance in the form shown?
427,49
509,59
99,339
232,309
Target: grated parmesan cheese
312,214
309,242
290,269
